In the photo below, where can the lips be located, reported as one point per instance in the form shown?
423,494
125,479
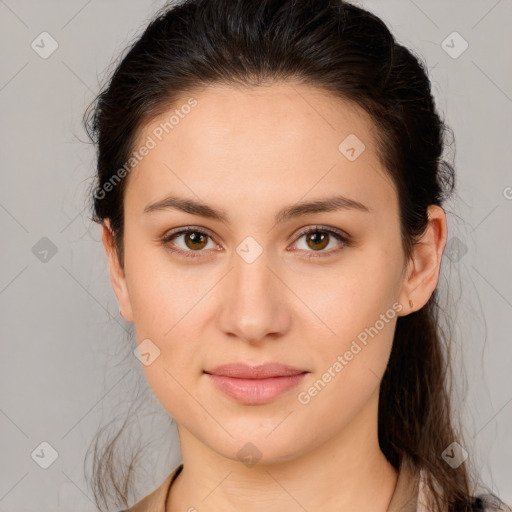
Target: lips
255,385
261,371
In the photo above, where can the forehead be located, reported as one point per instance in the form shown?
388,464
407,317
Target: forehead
228,115
281,140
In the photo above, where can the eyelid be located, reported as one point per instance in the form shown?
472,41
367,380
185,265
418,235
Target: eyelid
189,229
319,227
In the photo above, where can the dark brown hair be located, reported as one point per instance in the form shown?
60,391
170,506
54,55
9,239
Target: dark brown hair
349,52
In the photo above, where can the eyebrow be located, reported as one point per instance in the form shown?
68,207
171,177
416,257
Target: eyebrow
193,207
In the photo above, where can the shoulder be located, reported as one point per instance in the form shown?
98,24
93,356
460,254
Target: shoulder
477,503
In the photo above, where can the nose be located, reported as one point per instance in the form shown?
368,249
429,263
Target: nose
254,302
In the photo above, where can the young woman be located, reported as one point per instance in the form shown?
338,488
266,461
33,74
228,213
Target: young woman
270,181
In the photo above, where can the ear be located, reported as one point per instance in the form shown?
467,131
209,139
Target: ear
422,273
117,275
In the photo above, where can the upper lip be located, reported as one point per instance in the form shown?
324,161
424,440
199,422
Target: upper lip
261,371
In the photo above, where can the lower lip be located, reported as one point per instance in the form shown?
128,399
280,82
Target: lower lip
256,391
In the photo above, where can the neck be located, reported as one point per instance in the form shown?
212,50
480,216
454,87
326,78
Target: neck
347,472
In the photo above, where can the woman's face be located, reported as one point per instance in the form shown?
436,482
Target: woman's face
257,289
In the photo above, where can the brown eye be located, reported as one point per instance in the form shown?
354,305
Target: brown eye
188,242
195,240
317,240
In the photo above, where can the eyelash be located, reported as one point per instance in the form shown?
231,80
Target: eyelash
339,235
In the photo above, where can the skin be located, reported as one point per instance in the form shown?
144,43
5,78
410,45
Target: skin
251,152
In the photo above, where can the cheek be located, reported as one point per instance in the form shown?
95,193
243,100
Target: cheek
164,306
162,295
174,373
342,300
349,366
353,310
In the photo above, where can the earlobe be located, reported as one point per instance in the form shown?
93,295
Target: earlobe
117,274
424,264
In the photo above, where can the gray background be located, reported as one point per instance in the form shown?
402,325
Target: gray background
67,365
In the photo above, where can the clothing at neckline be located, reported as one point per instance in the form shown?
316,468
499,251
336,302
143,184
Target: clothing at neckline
409,494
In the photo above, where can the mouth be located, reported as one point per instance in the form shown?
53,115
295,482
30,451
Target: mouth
255,385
